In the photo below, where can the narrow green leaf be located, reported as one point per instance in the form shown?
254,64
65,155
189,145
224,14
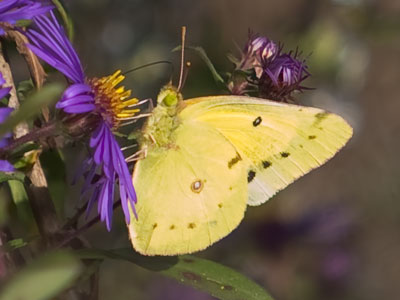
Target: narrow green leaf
12,176
44,278
21,201
32,106
213,278
203,55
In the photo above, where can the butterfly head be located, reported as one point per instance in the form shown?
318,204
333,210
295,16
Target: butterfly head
169,96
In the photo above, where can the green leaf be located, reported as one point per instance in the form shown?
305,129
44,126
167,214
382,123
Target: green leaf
19,151
44,278
16,243
21,201
23,23
203,55
13,245
213,278
12,176
32,106
24,89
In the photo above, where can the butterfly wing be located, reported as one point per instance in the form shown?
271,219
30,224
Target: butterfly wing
188,197
278,142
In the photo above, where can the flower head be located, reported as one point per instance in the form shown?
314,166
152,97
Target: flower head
102,101
258,51
282,76
12,11
267,71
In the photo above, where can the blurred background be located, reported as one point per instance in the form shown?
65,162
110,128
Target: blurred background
334,234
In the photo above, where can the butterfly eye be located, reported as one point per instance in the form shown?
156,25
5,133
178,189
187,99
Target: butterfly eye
197,186
170,99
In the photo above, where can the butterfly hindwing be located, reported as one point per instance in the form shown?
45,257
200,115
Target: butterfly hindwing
190,194
278,142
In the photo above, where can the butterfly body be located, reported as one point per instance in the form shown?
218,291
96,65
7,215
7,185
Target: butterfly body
207,158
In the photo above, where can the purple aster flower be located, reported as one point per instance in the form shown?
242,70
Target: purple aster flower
282,76
103,105
12,11
5,166
257,52
267,72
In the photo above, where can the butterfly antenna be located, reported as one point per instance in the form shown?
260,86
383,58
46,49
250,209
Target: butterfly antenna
181,79
185,72
151,64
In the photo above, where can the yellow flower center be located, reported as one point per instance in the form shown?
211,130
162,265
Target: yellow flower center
114,103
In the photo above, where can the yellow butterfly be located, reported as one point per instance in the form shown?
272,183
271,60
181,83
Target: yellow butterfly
208,158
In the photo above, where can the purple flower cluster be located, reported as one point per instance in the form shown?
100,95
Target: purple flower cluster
269,72
12,11
103,102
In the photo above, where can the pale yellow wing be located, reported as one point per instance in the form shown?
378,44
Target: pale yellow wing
188,197
278,142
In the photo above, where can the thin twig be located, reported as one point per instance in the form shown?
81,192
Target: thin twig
34,135
74,219
85,227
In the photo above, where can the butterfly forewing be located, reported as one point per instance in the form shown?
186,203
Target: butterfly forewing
278,142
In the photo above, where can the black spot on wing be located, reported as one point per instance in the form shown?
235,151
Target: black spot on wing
266,164
155,225
319,117
285,154
172,227
191,225
257,121
311,137
234,160
250,176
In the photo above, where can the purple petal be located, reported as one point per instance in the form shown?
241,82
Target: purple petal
109,160
4,92
81,99
80,108
4,113
77,89
98,153
97,135
51,44
92,200
13,10
124,201
5,166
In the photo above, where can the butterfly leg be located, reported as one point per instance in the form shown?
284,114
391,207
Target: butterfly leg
141,154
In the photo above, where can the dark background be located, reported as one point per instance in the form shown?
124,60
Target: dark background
333,234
